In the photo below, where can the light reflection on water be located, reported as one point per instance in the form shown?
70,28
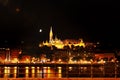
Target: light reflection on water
106,70
45,72
59,72
15,72
26,71
6,71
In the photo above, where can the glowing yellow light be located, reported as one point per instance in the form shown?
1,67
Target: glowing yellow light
17,10
33,71
60,44
40,30
27,71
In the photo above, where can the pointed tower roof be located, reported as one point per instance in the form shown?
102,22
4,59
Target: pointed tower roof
51,34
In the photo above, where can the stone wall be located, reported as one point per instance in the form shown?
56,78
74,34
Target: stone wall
59,78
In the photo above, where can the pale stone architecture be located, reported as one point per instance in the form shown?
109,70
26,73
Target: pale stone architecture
59,43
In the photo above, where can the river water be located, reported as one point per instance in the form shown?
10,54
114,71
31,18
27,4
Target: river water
106,70
39,72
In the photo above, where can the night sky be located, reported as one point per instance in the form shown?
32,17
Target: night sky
94,21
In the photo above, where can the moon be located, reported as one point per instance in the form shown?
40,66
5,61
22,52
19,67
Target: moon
40,30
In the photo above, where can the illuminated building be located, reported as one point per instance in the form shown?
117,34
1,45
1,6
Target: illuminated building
59,44
2,55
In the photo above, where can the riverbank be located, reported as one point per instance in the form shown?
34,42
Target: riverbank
59,78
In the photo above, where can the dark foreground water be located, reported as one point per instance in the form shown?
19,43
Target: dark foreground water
61,71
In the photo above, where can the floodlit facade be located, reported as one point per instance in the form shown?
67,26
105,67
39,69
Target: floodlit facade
59,44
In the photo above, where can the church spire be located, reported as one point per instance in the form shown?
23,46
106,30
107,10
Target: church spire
51,35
